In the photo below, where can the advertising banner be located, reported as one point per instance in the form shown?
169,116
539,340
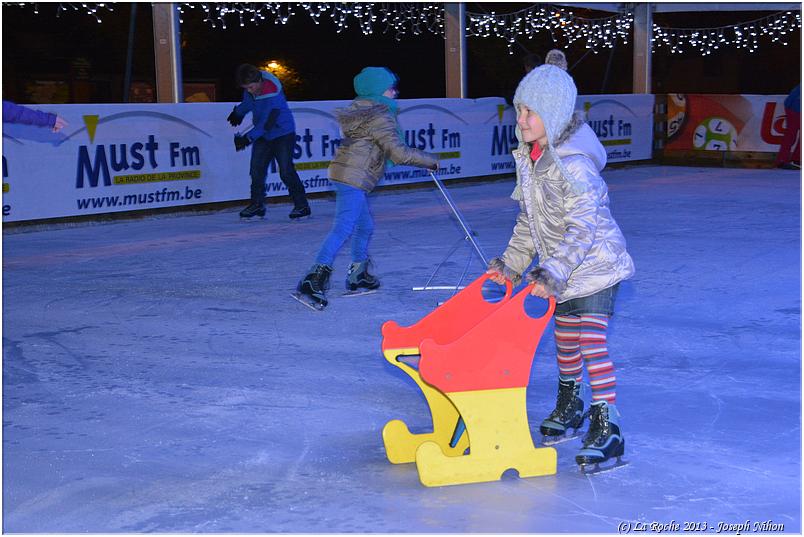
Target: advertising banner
725,122
124,157
623,123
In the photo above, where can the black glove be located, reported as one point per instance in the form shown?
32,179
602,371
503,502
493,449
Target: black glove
234,118
241,142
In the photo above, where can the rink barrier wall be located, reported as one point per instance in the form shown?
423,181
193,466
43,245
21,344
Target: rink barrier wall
133,158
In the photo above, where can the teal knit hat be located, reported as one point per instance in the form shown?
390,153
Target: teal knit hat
373,81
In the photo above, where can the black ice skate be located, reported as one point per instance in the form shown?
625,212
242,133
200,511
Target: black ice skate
310,290
255,209
299,212
564,421
359,281
603,441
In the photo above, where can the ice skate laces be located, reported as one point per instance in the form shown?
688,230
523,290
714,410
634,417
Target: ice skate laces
318,278
564,408
598,425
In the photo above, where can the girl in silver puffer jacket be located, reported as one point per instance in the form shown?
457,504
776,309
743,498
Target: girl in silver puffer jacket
565,220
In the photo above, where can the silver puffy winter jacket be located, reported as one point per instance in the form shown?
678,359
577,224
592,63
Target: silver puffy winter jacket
566,220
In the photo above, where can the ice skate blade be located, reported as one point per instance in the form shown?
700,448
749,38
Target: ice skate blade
252,218
302,300
595,468
359,292
553,440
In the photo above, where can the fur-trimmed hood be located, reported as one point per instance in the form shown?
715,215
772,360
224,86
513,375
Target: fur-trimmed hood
355,118
578,138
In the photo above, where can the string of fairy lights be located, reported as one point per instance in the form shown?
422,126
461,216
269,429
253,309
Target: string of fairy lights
775,27
597,33
88,9
402,19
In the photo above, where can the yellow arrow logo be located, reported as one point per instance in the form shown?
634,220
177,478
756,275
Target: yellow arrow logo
92,123
500,110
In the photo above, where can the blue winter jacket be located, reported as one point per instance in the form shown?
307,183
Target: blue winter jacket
16,113
261,107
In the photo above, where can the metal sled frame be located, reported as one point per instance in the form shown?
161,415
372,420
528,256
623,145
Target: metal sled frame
469,236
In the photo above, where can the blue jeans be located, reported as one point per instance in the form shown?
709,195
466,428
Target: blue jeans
352,217
262,153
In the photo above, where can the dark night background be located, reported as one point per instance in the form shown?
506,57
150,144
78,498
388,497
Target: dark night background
89,58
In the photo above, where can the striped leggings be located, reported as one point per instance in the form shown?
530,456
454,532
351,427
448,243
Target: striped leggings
582,339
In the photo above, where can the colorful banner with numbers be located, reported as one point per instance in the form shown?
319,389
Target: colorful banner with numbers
725,122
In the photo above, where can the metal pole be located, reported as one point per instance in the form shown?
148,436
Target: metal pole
132,28
464,226
643,30
167,50
608,68
455,48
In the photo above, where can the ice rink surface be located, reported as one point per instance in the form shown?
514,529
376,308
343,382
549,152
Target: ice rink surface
157,377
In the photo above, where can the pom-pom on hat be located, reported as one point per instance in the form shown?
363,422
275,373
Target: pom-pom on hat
549,91
373,81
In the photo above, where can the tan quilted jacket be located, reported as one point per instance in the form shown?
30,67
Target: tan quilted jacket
371,138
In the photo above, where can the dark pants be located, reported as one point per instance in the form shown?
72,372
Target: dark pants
262,153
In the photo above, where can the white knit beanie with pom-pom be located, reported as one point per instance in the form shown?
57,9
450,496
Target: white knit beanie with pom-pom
549,91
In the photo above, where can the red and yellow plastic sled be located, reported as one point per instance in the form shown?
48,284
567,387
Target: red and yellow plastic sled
475,361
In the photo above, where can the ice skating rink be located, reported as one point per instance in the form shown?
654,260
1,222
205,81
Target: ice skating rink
157,377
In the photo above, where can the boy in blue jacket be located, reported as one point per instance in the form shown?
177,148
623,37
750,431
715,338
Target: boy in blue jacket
273,137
